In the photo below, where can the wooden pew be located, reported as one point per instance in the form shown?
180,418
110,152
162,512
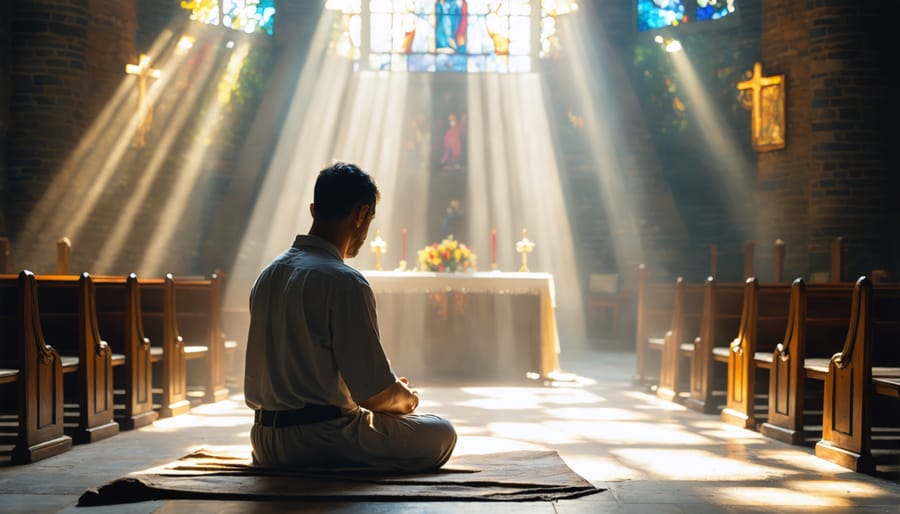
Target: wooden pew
764,317
719,323
198,310
167,346
816,328
118,301
654,315
69,321
867,365
33,370
678,342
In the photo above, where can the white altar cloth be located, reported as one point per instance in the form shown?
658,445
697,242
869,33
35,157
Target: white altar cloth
467,325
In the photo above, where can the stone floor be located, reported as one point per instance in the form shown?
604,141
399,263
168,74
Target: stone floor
652,456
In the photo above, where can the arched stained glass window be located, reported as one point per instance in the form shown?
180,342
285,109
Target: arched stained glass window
447,35
243,15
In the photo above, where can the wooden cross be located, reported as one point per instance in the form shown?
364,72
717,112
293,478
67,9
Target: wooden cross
379,246
524,246
143,71
767,117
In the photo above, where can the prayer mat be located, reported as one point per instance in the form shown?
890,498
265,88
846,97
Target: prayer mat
509,476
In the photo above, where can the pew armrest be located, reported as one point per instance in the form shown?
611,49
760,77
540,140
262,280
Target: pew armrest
118,359
763,359
720,353
816,368
656,342
69,364
887,386
195,351
8,375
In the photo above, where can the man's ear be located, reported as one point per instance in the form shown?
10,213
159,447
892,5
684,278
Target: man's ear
312,210
362,213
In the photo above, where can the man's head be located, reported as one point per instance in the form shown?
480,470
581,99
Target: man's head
344,205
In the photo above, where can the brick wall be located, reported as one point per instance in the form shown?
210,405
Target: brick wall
848,153
782,174
834,177
47,116
5,92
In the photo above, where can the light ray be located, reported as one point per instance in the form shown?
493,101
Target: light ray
184,190
733,170
72,194
594,73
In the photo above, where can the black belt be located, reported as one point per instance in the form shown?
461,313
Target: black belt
305,416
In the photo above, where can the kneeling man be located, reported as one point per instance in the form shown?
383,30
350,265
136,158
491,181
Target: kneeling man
316,375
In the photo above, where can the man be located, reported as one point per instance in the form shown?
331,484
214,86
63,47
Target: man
316,375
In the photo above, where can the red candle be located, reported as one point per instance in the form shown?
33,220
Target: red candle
493,246
403,245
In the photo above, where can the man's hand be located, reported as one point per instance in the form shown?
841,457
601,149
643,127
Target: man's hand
397,398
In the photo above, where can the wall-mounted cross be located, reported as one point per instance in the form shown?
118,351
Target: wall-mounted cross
767,115
144,72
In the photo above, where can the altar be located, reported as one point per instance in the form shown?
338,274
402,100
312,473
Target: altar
482,326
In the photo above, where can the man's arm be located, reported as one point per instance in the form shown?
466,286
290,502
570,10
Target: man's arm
397,398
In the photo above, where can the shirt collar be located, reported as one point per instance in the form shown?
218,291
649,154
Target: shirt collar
305,241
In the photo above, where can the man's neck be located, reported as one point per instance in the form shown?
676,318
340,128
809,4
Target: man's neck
333,234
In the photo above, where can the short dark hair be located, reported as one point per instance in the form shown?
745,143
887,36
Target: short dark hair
339,188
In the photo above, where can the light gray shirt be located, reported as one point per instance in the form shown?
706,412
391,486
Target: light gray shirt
313,334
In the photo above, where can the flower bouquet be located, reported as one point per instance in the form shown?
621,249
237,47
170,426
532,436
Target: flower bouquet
448,256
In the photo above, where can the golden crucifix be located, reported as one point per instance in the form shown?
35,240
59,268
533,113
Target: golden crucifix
145,110
767,114
379,246
524,246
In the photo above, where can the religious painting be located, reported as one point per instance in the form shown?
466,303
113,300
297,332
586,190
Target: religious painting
771,129
449,144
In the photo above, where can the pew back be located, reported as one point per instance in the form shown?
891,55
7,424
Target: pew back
167,351
654,315
69,322
722,309
684,327
33,381
848,408
198,314
117,300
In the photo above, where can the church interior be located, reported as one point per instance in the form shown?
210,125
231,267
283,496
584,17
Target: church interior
655,239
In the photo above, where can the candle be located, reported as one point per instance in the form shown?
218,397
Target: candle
403,245
493,246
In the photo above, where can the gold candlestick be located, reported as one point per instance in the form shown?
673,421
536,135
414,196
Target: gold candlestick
378,246
524,247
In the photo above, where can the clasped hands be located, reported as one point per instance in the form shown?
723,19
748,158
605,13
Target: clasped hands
398,398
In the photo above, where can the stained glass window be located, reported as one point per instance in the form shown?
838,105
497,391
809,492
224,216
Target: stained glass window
656,14
243,15
714,9
447,35
662,14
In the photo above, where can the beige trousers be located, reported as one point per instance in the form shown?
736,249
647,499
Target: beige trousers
410,443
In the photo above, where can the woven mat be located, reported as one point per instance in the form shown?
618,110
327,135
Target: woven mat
509,476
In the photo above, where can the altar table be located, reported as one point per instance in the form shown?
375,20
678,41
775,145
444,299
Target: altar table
484,325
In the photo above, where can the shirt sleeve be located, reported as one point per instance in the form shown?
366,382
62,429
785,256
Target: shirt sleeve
357,348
